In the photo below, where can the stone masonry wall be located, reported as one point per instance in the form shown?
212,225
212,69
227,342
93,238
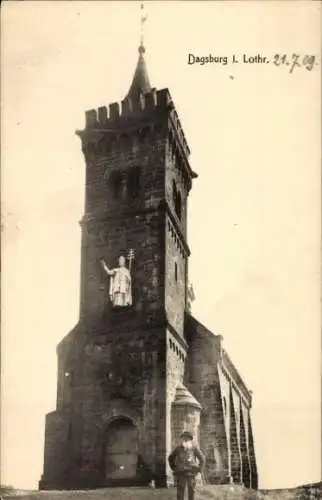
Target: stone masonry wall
203,381
175,364
226,432
235,442
239,439
175,279
56,456
175,175
114,225
224,401
122,375
134,358
142,233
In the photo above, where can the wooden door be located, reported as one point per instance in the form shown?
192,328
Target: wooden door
121,450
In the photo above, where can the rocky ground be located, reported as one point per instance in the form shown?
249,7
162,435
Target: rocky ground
203,493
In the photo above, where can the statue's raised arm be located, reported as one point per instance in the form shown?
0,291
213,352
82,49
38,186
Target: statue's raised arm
108,271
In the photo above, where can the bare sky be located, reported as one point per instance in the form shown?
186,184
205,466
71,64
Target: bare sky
254,212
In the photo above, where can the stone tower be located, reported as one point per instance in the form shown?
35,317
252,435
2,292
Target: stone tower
120,398
138,368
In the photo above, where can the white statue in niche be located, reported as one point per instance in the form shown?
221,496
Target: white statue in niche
120,289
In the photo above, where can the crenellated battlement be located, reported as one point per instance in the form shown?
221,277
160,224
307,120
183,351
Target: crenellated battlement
128,108
119,114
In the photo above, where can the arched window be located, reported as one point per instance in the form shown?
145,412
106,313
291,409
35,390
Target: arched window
116,184
178,205
177,200
133,182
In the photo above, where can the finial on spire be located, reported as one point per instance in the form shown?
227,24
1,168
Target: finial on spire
143,19
140,83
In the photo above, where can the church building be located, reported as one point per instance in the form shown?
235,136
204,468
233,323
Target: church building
138,369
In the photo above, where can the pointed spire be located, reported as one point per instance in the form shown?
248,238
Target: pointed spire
140,82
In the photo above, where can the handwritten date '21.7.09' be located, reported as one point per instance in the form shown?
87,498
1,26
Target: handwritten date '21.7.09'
308,62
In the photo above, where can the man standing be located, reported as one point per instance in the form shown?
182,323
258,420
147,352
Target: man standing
186,461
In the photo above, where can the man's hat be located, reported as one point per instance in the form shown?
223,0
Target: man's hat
187,435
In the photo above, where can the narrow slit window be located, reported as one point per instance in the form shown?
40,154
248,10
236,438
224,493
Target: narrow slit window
116,185
133,182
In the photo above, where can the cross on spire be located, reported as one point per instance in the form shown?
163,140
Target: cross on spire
142,21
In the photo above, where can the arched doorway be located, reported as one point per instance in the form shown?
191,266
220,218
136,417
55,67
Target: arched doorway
121,451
